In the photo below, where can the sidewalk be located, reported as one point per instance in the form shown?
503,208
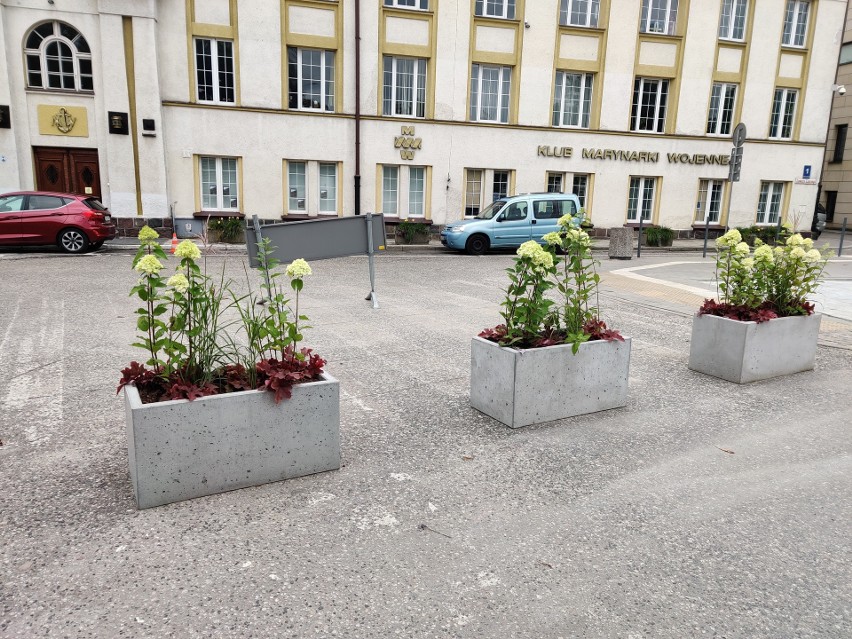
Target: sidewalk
831,239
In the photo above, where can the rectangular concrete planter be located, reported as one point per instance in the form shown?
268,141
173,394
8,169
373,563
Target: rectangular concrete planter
180,449
745,352
531,386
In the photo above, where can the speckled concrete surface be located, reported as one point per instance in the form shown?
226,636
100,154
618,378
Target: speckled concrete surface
703,509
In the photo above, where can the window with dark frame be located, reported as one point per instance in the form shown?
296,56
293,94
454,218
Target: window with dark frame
839,142
58,57
214,70
650,97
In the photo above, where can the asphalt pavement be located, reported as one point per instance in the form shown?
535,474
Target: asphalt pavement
702,509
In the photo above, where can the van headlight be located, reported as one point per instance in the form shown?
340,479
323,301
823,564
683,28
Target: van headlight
457,229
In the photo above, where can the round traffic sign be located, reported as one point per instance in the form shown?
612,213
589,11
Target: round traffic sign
739,135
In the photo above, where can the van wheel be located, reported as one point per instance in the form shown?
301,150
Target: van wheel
476,245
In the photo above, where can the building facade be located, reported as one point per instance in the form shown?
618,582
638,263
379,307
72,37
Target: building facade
836,186
227,107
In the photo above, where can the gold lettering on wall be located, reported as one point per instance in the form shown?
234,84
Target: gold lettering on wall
407,143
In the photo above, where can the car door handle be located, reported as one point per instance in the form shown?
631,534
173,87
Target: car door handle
533,222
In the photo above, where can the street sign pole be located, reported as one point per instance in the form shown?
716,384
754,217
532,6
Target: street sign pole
738,137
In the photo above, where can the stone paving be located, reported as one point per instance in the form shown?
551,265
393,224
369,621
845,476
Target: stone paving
702,509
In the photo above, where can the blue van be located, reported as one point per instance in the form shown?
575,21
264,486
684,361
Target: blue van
511,221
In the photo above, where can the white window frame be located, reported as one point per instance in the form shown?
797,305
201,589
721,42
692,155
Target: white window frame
584,196
589,16
291,164
796,18
77,56
504,99
550,178
784,103
505,9
214,71
560,100
486,186
633,206
313,188
711,193
722,94
220,196
640,89
666,26
732,20
324,207
421,5
769,203
417,102
324,79
404,181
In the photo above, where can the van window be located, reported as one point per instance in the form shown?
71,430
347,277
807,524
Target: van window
552,209
515,211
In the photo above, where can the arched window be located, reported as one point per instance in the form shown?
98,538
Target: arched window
58,57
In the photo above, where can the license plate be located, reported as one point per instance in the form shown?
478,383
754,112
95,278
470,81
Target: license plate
107,218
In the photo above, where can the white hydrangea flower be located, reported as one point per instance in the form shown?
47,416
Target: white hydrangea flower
763,254
529,249
795,240
553,239
149,265
178,282
797,253
742,249
729,239
298,269
188,249
813,256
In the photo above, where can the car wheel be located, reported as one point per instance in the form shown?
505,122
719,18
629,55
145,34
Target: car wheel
477,245
73,241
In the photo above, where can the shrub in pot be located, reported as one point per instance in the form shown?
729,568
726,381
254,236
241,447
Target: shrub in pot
408,232
230,230
550,359
659,236
762,325
206,410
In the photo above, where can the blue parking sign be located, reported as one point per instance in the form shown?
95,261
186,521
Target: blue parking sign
806,173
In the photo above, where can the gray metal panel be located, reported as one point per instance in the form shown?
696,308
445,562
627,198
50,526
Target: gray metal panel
319,239
188,228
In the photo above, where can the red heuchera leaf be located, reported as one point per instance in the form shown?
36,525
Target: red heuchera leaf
742,313
808,308
188,390
495,334
236,377
279,376
137,375
596,330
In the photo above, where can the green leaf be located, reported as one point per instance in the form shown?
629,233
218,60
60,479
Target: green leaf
143,324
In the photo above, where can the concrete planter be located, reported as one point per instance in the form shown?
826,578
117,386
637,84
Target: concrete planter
524,387
180,449
745,352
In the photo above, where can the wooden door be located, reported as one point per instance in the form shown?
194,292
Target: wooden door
85,177
68,170
52,170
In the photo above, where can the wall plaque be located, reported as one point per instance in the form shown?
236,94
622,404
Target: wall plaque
63,120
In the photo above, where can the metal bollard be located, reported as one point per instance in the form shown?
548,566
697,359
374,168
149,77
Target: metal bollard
639,243
842,235
706,235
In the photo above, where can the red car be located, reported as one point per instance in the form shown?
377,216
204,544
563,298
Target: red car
75,223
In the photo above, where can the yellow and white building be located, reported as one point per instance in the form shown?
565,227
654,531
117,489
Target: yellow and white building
226,107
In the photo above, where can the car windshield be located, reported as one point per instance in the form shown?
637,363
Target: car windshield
491,210
94,204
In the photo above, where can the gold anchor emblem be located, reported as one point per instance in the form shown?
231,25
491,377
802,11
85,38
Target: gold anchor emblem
64,121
